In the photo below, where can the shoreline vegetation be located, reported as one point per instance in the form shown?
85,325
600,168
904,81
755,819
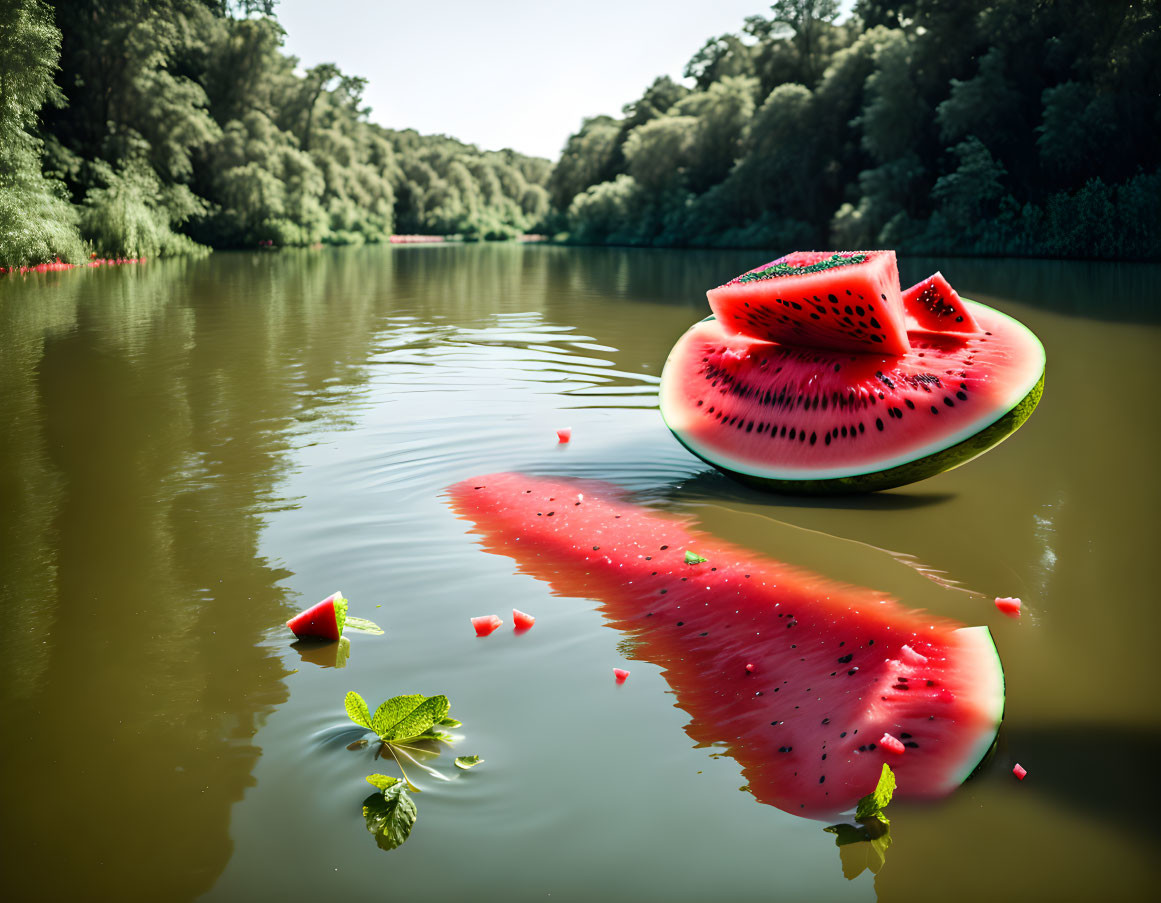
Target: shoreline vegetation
133,129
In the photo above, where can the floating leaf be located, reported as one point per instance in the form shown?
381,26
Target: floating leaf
393,711
357,710
694,558
466,762
390,816
429,713
364,626
382,781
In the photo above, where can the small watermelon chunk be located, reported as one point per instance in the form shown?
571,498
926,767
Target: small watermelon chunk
323,621
831,675
1009,606
485,624
522,620
564,435
1020,772
841,300
892,744
621,675
934,305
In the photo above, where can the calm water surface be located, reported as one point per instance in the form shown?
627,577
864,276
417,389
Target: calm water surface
191,451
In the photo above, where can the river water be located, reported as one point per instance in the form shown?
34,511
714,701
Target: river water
192,451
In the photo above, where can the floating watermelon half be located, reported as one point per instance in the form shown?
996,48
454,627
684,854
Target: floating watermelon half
323,621
805,419
835,667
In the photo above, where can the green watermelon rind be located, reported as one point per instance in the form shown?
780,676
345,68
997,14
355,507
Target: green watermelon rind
997,699
920,468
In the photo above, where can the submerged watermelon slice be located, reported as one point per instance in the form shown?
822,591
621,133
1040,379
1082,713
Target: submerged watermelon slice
323,621
809,420
934,305
847,300
835,667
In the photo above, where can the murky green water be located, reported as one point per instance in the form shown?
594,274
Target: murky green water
191,451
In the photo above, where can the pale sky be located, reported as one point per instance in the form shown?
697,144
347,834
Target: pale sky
510,73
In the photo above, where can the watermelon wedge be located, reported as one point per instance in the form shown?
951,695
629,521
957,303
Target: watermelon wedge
323,621
836,666
934,305
845,300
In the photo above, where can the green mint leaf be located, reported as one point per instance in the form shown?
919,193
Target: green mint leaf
364,626
390,816
450,722
357,710
694,558
873,804
340,612
466,762
392,712
428,714
382,781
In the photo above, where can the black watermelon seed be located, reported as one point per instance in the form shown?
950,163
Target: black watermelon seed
879,423
821,778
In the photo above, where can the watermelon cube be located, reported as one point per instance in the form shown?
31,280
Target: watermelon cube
892,744
564,435
1019,771
1009,606
621,674
522,619
485,624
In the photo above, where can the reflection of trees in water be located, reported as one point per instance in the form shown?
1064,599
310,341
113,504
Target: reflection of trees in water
147,418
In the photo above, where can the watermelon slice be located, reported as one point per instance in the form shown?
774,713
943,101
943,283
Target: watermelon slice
323,621
521,620
934,305
808,420
846,300
836,667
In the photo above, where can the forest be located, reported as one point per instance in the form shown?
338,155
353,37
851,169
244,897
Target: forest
1005,127
998,127
159,127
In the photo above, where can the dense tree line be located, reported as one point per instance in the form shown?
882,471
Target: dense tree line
146,127
979,126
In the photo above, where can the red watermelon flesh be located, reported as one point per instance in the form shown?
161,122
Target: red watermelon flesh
934,305
836,666
323,621
787,413
847,300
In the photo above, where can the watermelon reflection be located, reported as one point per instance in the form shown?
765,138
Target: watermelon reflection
834,666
